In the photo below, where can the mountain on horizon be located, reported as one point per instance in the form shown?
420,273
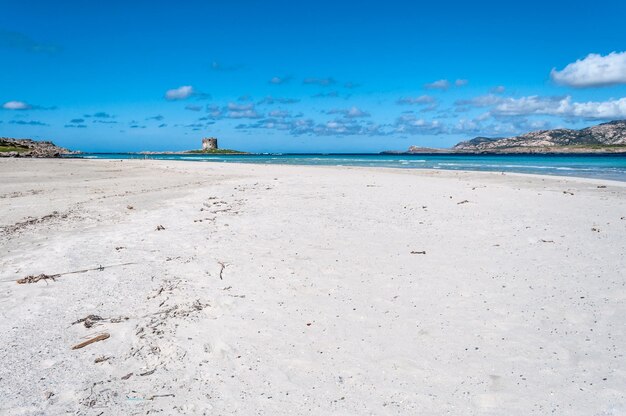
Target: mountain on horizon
609,137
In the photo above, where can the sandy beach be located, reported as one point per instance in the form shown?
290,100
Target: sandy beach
250,289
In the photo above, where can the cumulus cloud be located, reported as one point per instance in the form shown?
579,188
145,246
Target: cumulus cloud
550,106
280,100
422,99
309,127
22,106
323,82
28,123
461,82
547,106
593,71
409,124
480,101
16,105
233,111
330,94
279,114
442,84
99,114
352,112
180,93
280,80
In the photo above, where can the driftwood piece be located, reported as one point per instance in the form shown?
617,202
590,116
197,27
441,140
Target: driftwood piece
100,337
418,252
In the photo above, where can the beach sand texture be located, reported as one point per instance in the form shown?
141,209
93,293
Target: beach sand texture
249,289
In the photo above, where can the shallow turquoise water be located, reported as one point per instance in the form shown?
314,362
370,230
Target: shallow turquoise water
590,166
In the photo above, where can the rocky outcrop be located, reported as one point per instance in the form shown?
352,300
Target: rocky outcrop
29,148
606,137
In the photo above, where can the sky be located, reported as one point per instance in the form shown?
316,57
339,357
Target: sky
305,76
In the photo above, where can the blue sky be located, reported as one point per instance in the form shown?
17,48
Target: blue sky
305,76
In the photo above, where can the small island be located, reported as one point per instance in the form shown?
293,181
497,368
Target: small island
209,146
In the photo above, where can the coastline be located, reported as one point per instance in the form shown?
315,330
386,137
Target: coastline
303,289
612,167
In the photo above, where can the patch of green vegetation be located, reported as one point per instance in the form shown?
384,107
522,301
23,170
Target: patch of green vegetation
216,151
13,149
598,146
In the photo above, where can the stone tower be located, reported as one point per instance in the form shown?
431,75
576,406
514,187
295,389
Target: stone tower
209,143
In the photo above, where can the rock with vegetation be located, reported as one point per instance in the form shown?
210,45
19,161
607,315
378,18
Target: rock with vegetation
606,137
29,148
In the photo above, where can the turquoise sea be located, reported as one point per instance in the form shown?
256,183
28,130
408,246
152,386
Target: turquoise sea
589,166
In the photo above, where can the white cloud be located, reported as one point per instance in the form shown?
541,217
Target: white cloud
179,93
422,99
353,112
16,105
280,80
442,84
593,71
409,124
561,106
461,82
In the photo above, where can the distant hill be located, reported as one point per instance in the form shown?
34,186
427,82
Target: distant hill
605,137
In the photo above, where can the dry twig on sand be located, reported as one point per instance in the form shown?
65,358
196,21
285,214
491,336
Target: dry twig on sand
35,279
100,337
53,277
222,267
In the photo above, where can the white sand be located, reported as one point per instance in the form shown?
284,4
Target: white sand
518,306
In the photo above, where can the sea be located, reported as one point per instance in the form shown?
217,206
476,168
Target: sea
606,166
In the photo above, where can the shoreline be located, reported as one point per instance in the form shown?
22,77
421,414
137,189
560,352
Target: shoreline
581,179
552,171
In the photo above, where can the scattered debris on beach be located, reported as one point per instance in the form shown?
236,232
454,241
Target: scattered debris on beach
83,344
53,277
160,228
418,252
35,279
89,320
222,267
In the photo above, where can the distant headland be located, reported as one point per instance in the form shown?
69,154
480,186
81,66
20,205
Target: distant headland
603,138
29,148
